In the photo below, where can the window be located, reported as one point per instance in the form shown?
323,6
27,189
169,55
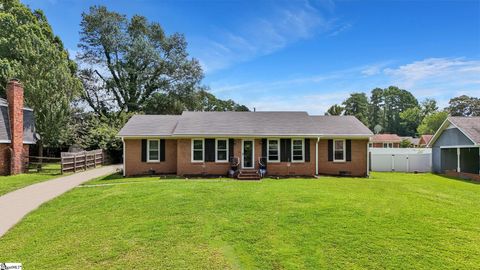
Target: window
339,150
153,151
197,150
387,145
390,145
221,154
273,150
370,145
297,150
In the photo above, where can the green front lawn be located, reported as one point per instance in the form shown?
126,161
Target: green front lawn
391,220
13,182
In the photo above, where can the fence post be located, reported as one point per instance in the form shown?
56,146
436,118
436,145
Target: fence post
94,159
74,163
61,163
85,155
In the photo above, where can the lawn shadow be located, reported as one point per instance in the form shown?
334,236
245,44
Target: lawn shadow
466,180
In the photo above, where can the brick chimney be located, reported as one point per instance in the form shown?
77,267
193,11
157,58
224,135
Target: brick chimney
15,112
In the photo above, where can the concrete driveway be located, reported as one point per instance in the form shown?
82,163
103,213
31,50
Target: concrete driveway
16,204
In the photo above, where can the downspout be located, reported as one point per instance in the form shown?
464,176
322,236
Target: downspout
123,156
316,156
368,158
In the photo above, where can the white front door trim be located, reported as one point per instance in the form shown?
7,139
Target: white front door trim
253,153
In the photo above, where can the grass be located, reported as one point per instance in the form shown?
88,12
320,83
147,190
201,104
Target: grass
391,220
13,182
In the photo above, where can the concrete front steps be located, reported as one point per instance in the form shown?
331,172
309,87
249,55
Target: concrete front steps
248,175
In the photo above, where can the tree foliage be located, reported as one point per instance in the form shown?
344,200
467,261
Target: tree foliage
432,122
335,110
30,52
130,60
464,106
357,105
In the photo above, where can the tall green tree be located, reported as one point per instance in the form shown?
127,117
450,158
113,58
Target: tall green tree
376,111
464,106
410,119
130,59
429,106
357,105
432,122
161,103
30,52
335,110
397,101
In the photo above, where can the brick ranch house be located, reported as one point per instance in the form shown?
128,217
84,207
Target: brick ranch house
385,141
17,130
210,143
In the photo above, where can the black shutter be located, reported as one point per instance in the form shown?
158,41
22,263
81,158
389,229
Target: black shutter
209,150
307,150
162,150
231,154
144,150
330,150
264,148
348,146
285,150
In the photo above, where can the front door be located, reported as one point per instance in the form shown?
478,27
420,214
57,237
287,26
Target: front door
248,154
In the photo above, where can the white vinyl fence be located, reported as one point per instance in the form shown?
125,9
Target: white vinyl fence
400,159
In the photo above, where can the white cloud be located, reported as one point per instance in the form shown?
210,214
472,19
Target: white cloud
438,78
265,34
436,70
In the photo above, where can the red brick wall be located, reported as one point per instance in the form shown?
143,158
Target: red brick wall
357,167
5,158
15,109
380,145
185,166
295,168
135,166
181,163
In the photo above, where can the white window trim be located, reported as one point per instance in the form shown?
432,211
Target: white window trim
268,150
203,150
216,150
303,150
148,151
344,151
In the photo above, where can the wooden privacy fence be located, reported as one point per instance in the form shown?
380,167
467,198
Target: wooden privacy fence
72,162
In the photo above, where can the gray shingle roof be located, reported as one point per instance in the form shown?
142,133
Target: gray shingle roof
150,125
243,124
469,125
28,124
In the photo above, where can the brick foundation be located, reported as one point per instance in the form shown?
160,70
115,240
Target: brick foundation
470,176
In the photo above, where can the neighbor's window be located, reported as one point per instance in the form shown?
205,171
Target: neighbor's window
197,150
153,150
222,150
390,145
370,145
385,145
297,150
273,150
339,150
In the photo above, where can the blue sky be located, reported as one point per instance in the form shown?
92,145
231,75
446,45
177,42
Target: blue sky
308,55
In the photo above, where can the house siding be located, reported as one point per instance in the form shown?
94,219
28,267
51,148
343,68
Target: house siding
356,167
5,158
449,137
186,167
179,161
294,168
135,166
380,145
